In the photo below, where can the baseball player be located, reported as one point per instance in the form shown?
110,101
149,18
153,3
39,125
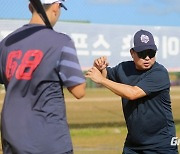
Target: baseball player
144,87
35,63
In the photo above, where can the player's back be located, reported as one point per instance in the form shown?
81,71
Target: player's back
30,54
34,107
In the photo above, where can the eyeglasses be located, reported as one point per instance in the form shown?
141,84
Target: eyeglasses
145,53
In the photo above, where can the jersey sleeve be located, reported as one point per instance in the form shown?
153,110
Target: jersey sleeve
155,81
112,73
69,68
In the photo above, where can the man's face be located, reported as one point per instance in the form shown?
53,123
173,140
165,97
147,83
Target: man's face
143,60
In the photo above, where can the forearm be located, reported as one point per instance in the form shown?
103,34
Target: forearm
123,90
104,73
78,91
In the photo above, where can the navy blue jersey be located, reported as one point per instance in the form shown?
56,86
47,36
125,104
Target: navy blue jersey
35,64
149,119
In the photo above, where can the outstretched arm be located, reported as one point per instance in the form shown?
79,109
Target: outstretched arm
123,90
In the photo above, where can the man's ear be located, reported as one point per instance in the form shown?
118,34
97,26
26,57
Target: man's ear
132,53
55,8
31,8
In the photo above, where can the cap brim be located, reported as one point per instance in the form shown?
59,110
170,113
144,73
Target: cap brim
142,48
60,2
63,6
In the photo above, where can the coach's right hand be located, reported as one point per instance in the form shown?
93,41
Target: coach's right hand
101,63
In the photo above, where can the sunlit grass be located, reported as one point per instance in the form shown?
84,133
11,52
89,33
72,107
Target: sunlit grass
97,123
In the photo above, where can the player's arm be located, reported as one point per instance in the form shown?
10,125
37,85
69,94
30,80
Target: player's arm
123,90
70,71
77,91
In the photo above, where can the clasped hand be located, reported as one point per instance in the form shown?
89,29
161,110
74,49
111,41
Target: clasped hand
95,73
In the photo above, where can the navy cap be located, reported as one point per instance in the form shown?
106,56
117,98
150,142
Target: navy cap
143,40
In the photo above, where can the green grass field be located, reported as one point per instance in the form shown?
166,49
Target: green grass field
97,124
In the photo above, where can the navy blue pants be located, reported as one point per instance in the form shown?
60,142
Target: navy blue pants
172,150
69,152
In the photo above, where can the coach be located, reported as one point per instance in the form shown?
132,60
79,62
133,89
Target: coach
144,87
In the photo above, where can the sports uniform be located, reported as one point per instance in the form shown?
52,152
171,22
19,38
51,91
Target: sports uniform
149,119
35,64
144,87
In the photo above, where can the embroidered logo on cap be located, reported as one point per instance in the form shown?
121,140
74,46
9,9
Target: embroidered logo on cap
144,39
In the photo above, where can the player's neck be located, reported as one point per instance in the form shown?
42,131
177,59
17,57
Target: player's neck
36,20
